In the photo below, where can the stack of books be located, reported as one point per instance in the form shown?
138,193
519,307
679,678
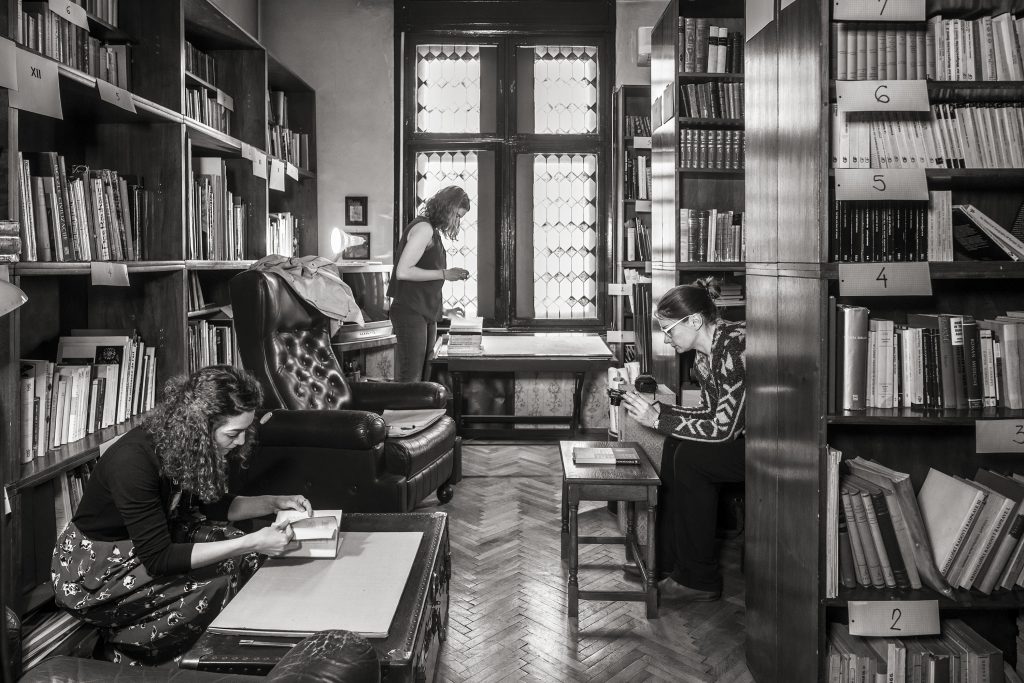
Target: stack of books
216,225
41,29
595,455
711,236
282,142
466,336
281,230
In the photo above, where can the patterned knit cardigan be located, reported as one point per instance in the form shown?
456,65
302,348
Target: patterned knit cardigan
723,394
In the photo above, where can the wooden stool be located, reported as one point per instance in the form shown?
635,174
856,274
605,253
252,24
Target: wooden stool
637,486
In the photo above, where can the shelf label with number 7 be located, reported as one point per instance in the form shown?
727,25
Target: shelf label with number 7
878,10
885,279
894,618
999,436
882,95
881,184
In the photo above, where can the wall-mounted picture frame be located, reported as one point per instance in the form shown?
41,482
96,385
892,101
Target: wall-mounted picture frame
358,251
355,211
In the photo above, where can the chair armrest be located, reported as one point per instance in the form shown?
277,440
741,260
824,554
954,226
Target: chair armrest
348,429
378,396
330,657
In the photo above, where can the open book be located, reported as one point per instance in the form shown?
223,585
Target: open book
409,422
315,536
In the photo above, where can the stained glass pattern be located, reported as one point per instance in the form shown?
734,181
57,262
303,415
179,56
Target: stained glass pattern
565,89
448,88
565,236
437,170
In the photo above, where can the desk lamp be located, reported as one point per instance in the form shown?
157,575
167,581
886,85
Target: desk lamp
11,297
341,240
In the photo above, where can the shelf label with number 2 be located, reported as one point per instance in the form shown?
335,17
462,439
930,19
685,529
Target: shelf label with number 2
894,618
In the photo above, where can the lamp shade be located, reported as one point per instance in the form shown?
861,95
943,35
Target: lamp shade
11,297
341,240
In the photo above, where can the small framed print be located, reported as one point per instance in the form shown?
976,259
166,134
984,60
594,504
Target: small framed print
355,211
358,251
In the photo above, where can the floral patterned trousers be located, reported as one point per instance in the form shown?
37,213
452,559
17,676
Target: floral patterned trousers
143,619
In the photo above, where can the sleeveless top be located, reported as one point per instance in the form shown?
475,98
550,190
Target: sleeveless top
419,297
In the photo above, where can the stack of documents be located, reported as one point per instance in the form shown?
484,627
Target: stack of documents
583,455
466,336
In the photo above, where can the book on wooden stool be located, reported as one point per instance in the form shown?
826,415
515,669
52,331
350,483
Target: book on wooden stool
590,455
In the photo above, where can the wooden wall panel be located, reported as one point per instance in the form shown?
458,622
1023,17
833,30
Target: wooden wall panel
160,57
761,118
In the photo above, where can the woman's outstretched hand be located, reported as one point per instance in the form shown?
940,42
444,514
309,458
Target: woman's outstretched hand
272,540
296,502
640,409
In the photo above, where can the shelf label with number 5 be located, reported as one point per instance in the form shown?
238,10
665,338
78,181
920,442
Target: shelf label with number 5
878,10
885,279
999,436
894,618
882,95
119,97
881,184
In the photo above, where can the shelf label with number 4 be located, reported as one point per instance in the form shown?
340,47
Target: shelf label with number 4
65,9
999,436
878,10
893,618
116,96
109,274
882,96
881,184
885,279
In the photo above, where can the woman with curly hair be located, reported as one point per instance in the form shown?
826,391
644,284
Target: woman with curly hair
419,274
138,560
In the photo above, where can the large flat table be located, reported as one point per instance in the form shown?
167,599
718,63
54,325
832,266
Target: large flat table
578,353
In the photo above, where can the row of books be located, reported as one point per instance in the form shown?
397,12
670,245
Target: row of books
200,64
209,108
641,303
706,48
282,228
11,246
948,136
216,217
212,340
637,126
87,215
636,181
282,142
68,488
104,10
714,100
97,381
711,235
930,361
710,148
959,653
465,336
43,31
638,240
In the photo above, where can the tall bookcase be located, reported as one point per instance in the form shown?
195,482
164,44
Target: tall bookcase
789,281
632,153
152,143
697,154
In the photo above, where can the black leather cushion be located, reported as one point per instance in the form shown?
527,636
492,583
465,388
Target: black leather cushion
410,454
307,371
328,657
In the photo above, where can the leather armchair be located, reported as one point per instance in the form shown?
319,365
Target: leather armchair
325,437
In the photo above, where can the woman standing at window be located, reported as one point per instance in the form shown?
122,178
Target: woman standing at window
704,445
419,274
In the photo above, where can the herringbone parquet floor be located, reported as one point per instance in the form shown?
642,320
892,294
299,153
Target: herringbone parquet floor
508,599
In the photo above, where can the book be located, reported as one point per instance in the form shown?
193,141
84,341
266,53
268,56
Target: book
316,535
851,357
949,508
587,455
1009,537
408,422
885,537
976,237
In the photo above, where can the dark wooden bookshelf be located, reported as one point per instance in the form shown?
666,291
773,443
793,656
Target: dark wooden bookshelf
693,122
690,77
210,141
30,268
713,267
961,600
644,265
107,32
915,417
218,265
956,270
712,172
964,91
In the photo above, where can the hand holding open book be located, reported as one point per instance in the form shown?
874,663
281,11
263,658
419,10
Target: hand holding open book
316,532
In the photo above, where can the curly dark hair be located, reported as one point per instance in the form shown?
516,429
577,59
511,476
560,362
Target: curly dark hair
182,426
442,210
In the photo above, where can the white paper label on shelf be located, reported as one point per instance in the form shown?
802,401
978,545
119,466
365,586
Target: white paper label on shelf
114,95
7,503
618,289
881,184
109,274
878,10
259,164
884,279
246,150
38,85
999,436
621,337
759,13
225,100
642,142
277,175
5,273
882,95
8,64
291,170
70,11
893,618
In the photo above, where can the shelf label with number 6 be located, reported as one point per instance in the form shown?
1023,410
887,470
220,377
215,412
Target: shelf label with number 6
894,618
65,9
878,10
119,97
882,95
885,279
999,436
881,184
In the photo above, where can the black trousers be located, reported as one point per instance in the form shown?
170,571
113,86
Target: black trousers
691,472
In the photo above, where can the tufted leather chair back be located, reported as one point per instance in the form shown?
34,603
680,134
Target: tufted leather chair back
286,344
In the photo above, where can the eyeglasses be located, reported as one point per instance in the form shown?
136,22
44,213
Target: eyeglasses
667,331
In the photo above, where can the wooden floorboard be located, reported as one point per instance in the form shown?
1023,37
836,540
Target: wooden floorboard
507,618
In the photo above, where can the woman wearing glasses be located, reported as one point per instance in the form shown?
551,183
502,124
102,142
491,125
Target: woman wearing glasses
704,444
419,274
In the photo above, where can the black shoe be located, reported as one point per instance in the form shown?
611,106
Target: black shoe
669,589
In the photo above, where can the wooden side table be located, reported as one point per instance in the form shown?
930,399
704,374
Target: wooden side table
637,486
